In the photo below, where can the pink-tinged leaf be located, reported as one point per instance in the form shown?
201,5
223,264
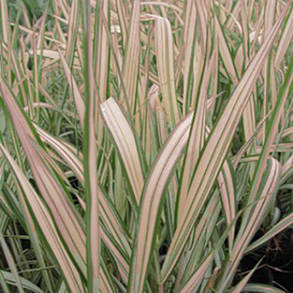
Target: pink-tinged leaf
197,277
198,133
286,38
227,189
165,59
240,286
125,141
131,61
150,202
225,53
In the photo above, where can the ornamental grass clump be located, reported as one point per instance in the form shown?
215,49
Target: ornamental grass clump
143,144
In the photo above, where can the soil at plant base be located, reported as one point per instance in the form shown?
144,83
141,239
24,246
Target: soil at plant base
276,268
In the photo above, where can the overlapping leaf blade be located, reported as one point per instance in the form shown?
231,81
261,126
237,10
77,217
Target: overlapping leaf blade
214,153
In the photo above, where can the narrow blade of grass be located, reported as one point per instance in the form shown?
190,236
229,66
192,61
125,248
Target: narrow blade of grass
150,203
196,279
240,286
125,141
130,64
164,52
286,38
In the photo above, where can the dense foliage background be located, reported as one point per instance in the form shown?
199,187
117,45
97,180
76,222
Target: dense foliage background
146,146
